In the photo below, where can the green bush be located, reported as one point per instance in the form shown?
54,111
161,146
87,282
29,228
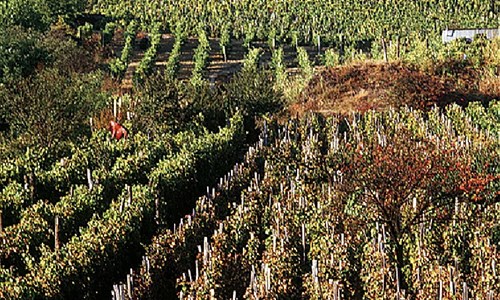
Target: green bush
26,13
65,55
332,58
19,53
158,106
38,14
51,106
252,92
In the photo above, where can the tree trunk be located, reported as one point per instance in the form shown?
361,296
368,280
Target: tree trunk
403,283
395,230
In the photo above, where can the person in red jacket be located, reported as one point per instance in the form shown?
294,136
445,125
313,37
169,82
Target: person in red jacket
117,130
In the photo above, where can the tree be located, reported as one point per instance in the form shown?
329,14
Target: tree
400,179
38,14
158,105
51,107
66,8
19,52
32,14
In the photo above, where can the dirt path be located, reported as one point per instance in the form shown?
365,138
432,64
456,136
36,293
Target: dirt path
166,45
218,70
186,60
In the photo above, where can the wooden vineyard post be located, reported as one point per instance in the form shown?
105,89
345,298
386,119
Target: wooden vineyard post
130,283
440,296
129,190
319,44
452,283
197,270
56,236
398,296
314,270
157,211
465,292
304,241
89,179
118,292
399,47
30,184
114,108
384,47
1,230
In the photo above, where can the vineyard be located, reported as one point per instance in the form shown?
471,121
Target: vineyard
317,210
274,150
307,21
330,216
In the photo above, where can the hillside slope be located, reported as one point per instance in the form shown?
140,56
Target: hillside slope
376,85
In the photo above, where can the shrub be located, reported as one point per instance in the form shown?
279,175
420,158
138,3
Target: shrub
19,53
252,91
52,106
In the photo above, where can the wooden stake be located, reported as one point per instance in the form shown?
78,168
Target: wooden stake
319,44
304,240
384,47
452,283
114,108
398,47
157,211
32,185
122,294
440,290
397,282
56,236
205,250
197,271
129,190
116,292
89,179
129,285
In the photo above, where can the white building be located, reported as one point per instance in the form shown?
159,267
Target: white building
469,34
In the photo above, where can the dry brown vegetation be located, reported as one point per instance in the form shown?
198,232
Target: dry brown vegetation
377,85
